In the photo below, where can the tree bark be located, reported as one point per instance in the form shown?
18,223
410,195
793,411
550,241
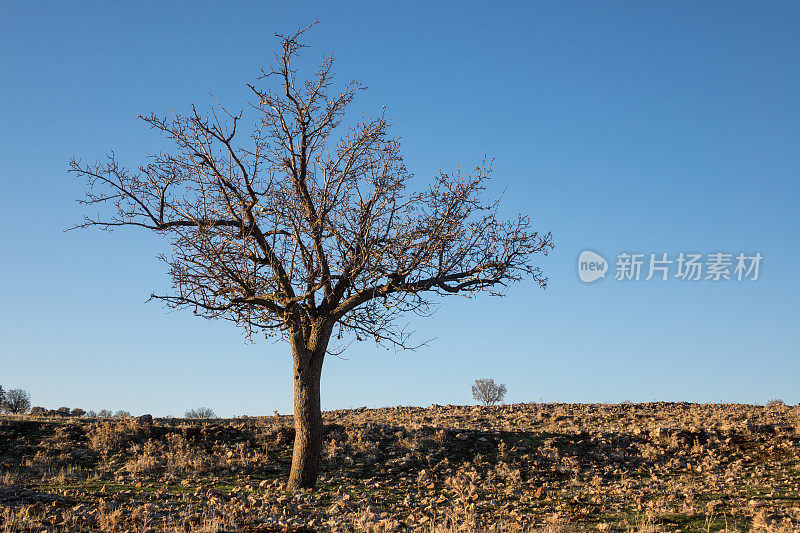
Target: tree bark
307,356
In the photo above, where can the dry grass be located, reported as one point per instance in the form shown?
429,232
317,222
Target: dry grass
533,467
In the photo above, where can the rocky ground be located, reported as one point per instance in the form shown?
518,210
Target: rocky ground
529,467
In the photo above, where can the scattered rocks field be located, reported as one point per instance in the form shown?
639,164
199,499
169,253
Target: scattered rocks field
523,467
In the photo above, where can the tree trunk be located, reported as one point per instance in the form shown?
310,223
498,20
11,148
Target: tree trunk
307,455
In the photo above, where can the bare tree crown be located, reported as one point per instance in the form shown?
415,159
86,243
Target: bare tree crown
488,392
17,401
305,224
201,412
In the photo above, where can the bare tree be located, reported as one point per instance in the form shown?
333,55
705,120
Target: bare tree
304,229
18,401
201,412
487,392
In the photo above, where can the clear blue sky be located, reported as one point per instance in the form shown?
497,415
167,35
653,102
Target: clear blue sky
620,126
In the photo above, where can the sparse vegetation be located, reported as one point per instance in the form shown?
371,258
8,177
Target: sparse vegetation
488,392
659,467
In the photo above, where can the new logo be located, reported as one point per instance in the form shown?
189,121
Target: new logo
591,266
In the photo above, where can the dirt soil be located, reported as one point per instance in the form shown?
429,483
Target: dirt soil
523,467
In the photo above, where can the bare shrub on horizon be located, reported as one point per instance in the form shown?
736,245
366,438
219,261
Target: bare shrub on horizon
488,392
201,412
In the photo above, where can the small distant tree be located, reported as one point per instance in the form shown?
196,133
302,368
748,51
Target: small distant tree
18,401
38,411
104,413
64,411
488,392
91,414
77,412
2,398
122,414
201,412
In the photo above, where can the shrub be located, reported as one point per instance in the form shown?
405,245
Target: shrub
91,414
108,436
78,412
63,410
104,413
146,460
201,412
122,414
38,411
487,392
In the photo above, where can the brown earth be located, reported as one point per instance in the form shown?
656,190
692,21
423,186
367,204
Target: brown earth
530,467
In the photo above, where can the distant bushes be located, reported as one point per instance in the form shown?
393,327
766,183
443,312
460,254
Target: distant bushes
61,411
18,401
201,412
